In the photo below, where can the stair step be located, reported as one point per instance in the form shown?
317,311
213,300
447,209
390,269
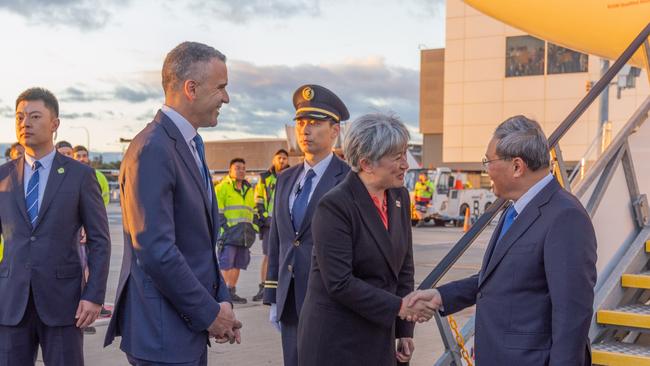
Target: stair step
620,354
640,280
636,316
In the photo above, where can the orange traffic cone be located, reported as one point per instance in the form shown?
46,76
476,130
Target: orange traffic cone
466,224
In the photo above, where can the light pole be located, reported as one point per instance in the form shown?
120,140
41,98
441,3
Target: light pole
87,135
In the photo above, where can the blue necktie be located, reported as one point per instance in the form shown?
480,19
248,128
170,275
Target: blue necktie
299,208
200,148
511,215
31,199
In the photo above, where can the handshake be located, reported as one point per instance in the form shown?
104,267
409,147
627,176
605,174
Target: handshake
420,305
225,328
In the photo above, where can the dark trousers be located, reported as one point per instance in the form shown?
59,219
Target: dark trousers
289,326
202,361
60,345
264,235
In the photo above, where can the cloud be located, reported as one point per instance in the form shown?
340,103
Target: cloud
261,96
75,94
244,11
82,14
425,9
7,112
85,115
136,92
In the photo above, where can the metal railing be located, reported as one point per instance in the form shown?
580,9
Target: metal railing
451,355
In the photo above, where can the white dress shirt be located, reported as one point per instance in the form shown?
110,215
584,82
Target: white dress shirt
525,199
319,169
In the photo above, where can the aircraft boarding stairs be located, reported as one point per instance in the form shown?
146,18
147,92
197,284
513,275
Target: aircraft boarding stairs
613,189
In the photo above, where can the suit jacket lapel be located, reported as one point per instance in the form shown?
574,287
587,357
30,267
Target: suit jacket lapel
524,220
330,178
283,197
490,249
371,219
54,181
395,226
187,157
19,186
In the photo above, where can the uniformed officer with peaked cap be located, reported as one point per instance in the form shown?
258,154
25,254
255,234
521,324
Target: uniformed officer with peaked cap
298,190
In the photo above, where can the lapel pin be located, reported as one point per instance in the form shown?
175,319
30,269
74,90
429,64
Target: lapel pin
398,203
60,171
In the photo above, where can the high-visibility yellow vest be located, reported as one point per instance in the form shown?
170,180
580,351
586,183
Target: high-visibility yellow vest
265,192
103,184
235,206
423,190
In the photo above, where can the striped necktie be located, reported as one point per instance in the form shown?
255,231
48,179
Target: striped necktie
31,199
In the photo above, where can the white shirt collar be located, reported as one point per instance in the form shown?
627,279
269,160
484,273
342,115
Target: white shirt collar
320,167
46,161
525,199
187,130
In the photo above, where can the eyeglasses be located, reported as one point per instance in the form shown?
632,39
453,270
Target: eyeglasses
487,162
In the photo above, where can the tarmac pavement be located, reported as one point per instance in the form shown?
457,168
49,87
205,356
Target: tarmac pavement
260,341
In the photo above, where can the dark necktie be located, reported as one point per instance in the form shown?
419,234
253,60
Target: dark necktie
31,199
511,215
299,208
205,173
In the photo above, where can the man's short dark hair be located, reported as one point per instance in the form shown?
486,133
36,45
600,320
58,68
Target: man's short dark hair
281,151
79,148
179,64
62,143
42,94
237,160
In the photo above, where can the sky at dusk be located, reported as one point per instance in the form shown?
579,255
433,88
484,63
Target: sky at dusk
102,59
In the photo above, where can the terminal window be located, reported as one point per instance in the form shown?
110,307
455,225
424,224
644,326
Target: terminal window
563,60
524,56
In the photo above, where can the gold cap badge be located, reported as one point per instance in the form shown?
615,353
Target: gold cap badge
308,93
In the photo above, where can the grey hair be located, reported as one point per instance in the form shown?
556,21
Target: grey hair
180,63
522,137
373,136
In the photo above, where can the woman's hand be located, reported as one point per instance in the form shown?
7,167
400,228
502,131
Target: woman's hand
405,348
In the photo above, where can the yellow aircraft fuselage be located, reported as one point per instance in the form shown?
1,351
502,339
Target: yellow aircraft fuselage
598,27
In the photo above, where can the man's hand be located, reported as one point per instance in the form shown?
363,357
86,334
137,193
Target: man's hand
405,348
420,305
273,317
87,313
225,328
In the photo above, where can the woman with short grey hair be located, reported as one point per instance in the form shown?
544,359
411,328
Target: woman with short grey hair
373,136
362,264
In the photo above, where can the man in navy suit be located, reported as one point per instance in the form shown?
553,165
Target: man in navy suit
171,296
45,198
298,190
534,292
